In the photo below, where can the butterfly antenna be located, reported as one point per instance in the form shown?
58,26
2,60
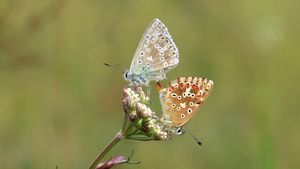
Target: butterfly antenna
116,65
194,137
120,66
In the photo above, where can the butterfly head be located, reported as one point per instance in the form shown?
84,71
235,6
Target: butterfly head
126,75
179,131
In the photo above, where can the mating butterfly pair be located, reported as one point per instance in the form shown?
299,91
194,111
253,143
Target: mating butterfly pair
155,55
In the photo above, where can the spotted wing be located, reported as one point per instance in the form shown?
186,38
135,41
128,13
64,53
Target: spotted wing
183,97
155,54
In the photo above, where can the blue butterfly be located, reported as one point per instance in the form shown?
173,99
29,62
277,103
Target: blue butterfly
155,55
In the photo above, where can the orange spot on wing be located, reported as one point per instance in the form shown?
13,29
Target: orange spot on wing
159,86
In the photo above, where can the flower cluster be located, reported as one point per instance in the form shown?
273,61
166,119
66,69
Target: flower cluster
140,122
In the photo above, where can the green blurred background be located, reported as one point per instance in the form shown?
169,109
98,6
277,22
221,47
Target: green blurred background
59,105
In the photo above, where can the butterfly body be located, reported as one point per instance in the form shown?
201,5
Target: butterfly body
181,100
155,55
139,77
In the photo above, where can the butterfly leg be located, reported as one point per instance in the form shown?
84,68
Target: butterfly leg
132,86
148,90
148,93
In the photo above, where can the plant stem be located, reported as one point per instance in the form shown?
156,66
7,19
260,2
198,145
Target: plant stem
112,143
126,114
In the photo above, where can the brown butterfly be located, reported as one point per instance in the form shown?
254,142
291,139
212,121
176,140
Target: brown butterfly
181,100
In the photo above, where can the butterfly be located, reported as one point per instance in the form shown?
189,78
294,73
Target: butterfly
181,100
155,55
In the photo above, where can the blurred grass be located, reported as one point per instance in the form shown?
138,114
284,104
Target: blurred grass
59,105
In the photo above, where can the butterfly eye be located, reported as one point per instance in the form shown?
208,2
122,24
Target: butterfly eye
161,53
126,75
183,94
156,45
173,105
179,97
182,116
174,95
178,108
191,103
189,111
139,62
179,131
161,58
148,50
193,95
148,64
169,100
167,107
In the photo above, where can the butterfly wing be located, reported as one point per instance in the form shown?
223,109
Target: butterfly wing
183,97
155,54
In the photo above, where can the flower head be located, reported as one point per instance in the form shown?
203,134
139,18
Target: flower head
143,123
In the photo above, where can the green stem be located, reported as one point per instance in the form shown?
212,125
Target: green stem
126,114
140,138
130,128
136,131
113,142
